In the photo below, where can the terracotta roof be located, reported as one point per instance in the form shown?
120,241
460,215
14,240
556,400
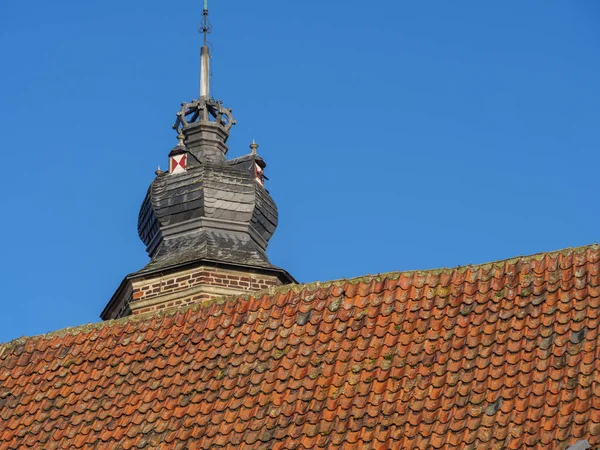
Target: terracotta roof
503,355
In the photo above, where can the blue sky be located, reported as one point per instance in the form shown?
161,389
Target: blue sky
398,135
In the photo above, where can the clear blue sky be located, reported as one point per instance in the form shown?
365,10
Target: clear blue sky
399,134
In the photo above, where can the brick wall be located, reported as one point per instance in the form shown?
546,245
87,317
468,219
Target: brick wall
192,286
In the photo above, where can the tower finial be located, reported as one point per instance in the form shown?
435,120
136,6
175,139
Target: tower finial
204,123
205,29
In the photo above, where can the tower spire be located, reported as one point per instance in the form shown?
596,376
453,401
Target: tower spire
204,123
205,56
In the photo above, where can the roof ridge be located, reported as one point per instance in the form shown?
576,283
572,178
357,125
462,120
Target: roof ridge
287,288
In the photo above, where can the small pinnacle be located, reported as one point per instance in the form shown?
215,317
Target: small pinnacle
181,138
254,147
158,171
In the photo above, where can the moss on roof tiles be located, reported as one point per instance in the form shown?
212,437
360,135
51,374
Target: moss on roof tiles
296,288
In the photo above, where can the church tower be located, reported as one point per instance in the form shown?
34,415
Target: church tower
206,223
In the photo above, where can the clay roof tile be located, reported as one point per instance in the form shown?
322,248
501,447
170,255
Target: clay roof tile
501,355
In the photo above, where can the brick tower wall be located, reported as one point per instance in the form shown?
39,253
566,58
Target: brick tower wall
197,285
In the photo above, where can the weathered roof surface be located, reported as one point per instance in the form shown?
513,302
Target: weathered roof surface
209,245
214,190
208,202
503,355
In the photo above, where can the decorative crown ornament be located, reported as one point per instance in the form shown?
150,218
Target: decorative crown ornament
203,110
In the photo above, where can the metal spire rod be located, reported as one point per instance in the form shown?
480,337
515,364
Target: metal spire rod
205,56
205,27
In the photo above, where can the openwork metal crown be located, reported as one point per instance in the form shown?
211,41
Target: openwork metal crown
203,110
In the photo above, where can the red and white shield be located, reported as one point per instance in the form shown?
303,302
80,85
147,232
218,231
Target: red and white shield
178,163
259,174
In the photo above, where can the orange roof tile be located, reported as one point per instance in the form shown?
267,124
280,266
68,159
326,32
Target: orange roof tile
502,355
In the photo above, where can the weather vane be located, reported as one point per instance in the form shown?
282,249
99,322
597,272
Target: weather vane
206,27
